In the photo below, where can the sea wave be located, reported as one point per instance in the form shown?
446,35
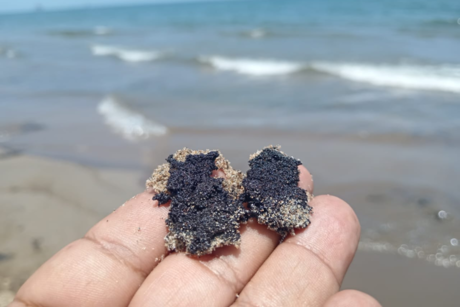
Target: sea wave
102,30
125,54
442,22
256,33
415,77
8,53
418,77
75,33
128,123
252,67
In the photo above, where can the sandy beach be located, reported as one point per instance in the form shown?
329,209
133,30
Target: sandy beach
47,204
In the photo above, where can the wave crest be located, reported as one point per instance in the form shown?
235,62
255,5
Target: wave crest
128,123
439,78
252,66
418,77
125,54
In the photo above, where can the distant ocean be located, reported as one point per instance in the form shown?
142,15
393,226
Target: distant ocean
355,67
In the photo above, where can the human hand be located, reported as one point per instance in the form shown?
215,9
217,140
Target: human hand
117,263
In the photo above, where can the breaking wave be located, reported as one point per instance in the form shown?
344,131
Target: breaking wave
128,123
125,54
252,66
438,78
416,77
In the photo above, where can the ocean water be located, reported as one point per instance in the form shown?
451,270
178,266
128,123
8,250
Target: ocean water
379,70
365,67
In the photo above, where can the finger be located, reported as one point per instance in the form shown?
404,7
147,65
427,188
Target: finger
351,298
214,280
309,267
108,265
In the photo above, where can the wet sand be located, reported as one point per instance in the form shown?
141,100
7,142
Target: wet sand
46,203
397,281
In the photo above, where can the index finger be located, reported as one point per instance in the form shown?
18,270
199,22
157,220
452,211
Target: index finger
108,265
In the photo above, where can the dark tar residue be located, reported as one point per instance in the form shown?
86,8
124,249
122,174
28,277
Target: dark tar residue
203,215
272,192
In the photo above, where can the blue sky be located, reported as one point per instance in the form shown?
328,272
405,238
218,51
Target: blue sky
26,5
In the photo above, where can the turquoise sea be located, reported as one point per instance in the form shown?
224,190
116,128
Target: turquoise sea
323,66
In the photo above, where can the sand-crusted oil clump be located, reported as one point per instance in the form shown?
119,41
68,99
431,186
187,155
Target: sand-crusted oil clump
272,192
158,182
205,212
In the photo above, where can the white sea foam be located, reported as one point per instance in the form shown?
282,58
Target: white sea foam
405,76
128,123
439,78
252,67
125,54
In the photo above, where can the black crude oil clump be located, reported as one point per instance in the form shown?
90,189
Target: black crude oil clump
272,193
203,215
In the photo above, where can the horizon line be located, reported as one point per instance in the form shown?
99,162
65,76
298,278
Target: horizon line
104,6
